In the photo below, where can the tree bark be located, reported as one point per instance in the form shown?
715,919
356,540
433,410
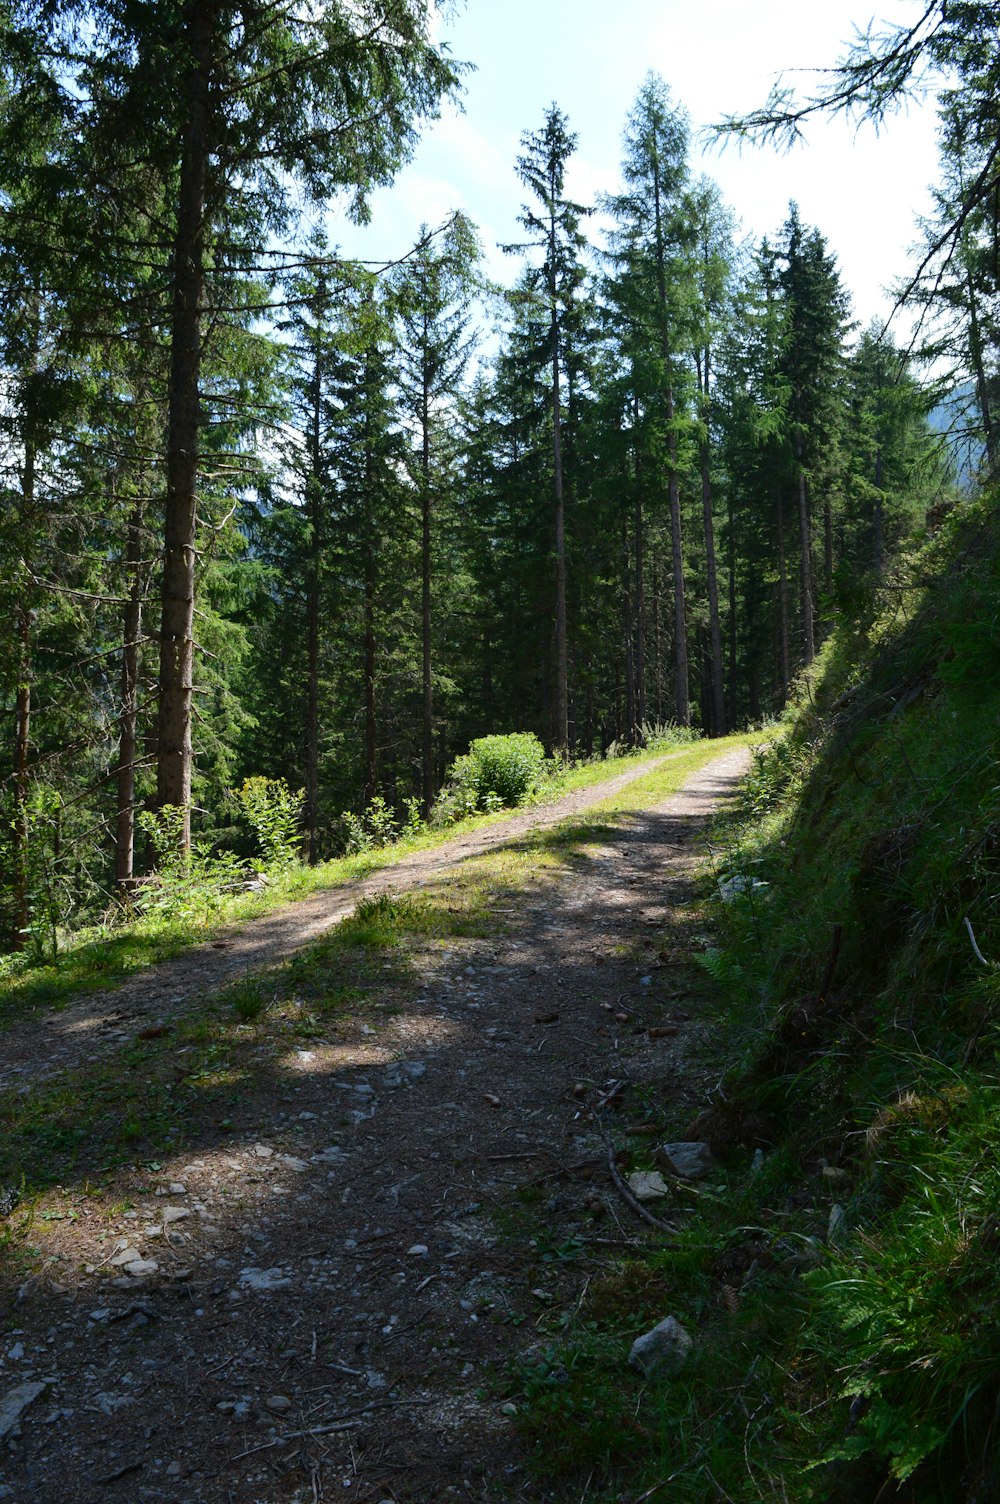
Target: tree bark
681,695
786,656
630,717
805,563
174,747
638,529
314,493
427,770
127,719
562,666
982,386
715,625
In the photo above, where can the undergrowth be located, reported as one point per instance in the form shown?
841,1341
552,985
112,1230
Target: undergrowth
841,1278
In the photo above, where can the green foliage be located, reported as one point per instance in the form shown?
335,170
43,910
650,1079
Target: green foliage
499,772
373,829
188,886
275,814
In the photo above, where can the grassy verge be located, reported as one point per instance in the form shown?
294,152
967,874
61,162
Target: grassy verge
844,1295
102,956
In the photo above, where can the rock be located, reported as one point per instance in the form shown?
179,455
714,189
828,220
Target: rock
731,888
418,1251
125,1256
291,1162
262,1151
647,1185
757,1163
688,1160
278,1404
9,1197
141,1268
837,1225
175,1188
334,1155
264,1279
16,1402
175,1214
663,1352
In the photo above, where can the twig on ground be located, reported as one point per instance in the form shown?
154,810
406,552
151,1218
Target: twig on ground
119,1472
978,953
344,1423
623,1189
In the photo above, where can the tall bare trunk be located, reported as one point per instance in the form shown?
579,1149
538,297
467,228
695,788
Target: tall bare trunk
314,494
174,747
427,770
714,622
639,541
786,655
128,714
982,386
562,665
22,709
732,626
805,563
681,693
631,733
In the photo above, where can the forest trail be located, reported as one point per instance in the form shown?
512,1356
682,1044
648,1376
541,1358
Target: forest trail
322,1297
52,1040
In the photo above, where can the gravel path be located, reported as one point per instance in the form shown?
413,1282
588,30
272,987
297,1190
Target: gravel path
323,1301
51,1040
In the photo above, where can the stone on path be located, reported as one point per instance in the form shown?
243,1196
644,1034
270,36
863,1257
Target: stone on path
16,1402
688,1160
663,1352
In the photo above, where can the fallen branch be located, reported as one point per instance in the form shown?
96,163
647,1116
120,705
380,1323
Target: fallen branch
978,953
344,1423
622,1188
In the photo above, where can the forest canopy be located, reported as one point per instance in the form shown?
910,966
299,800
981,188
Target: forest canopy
269,512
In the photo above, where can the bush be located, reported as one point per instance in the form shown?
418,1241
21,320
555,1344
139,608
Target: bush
274,812
496,773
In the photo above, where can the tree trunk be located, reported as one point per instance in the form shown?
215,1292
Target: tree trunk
562,666
982,386
630,718
714,623
314,493
878,518
640,602
805,565
786,656
732,626
174,748
427,780
131,633
681,694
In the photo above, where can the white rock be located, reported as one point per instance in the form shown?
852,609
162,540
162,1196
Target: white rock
176,1188
662,1352
837,1225
264,1279
292,1163
262,1151
418,1251
688,1160
175,1214
647,1185
731,888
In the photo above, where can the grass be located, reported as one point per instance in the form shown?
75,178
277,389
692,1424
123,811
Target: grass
102,956
855,1043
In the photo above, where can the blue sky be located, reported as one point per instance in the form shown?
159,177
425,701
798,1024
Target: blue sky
590,56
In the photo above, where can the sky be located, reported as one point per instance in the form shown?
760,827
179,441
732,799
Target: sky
862,190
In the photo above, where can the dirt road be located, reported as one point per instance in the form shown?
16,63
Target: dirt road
325,1303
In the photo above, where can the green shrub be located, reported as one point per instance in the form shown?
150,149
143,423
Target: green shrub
497,772
275,814
374,828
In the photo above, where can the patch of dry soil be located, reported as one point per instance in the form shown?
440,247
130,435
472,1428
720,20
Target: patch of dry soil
325,1308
